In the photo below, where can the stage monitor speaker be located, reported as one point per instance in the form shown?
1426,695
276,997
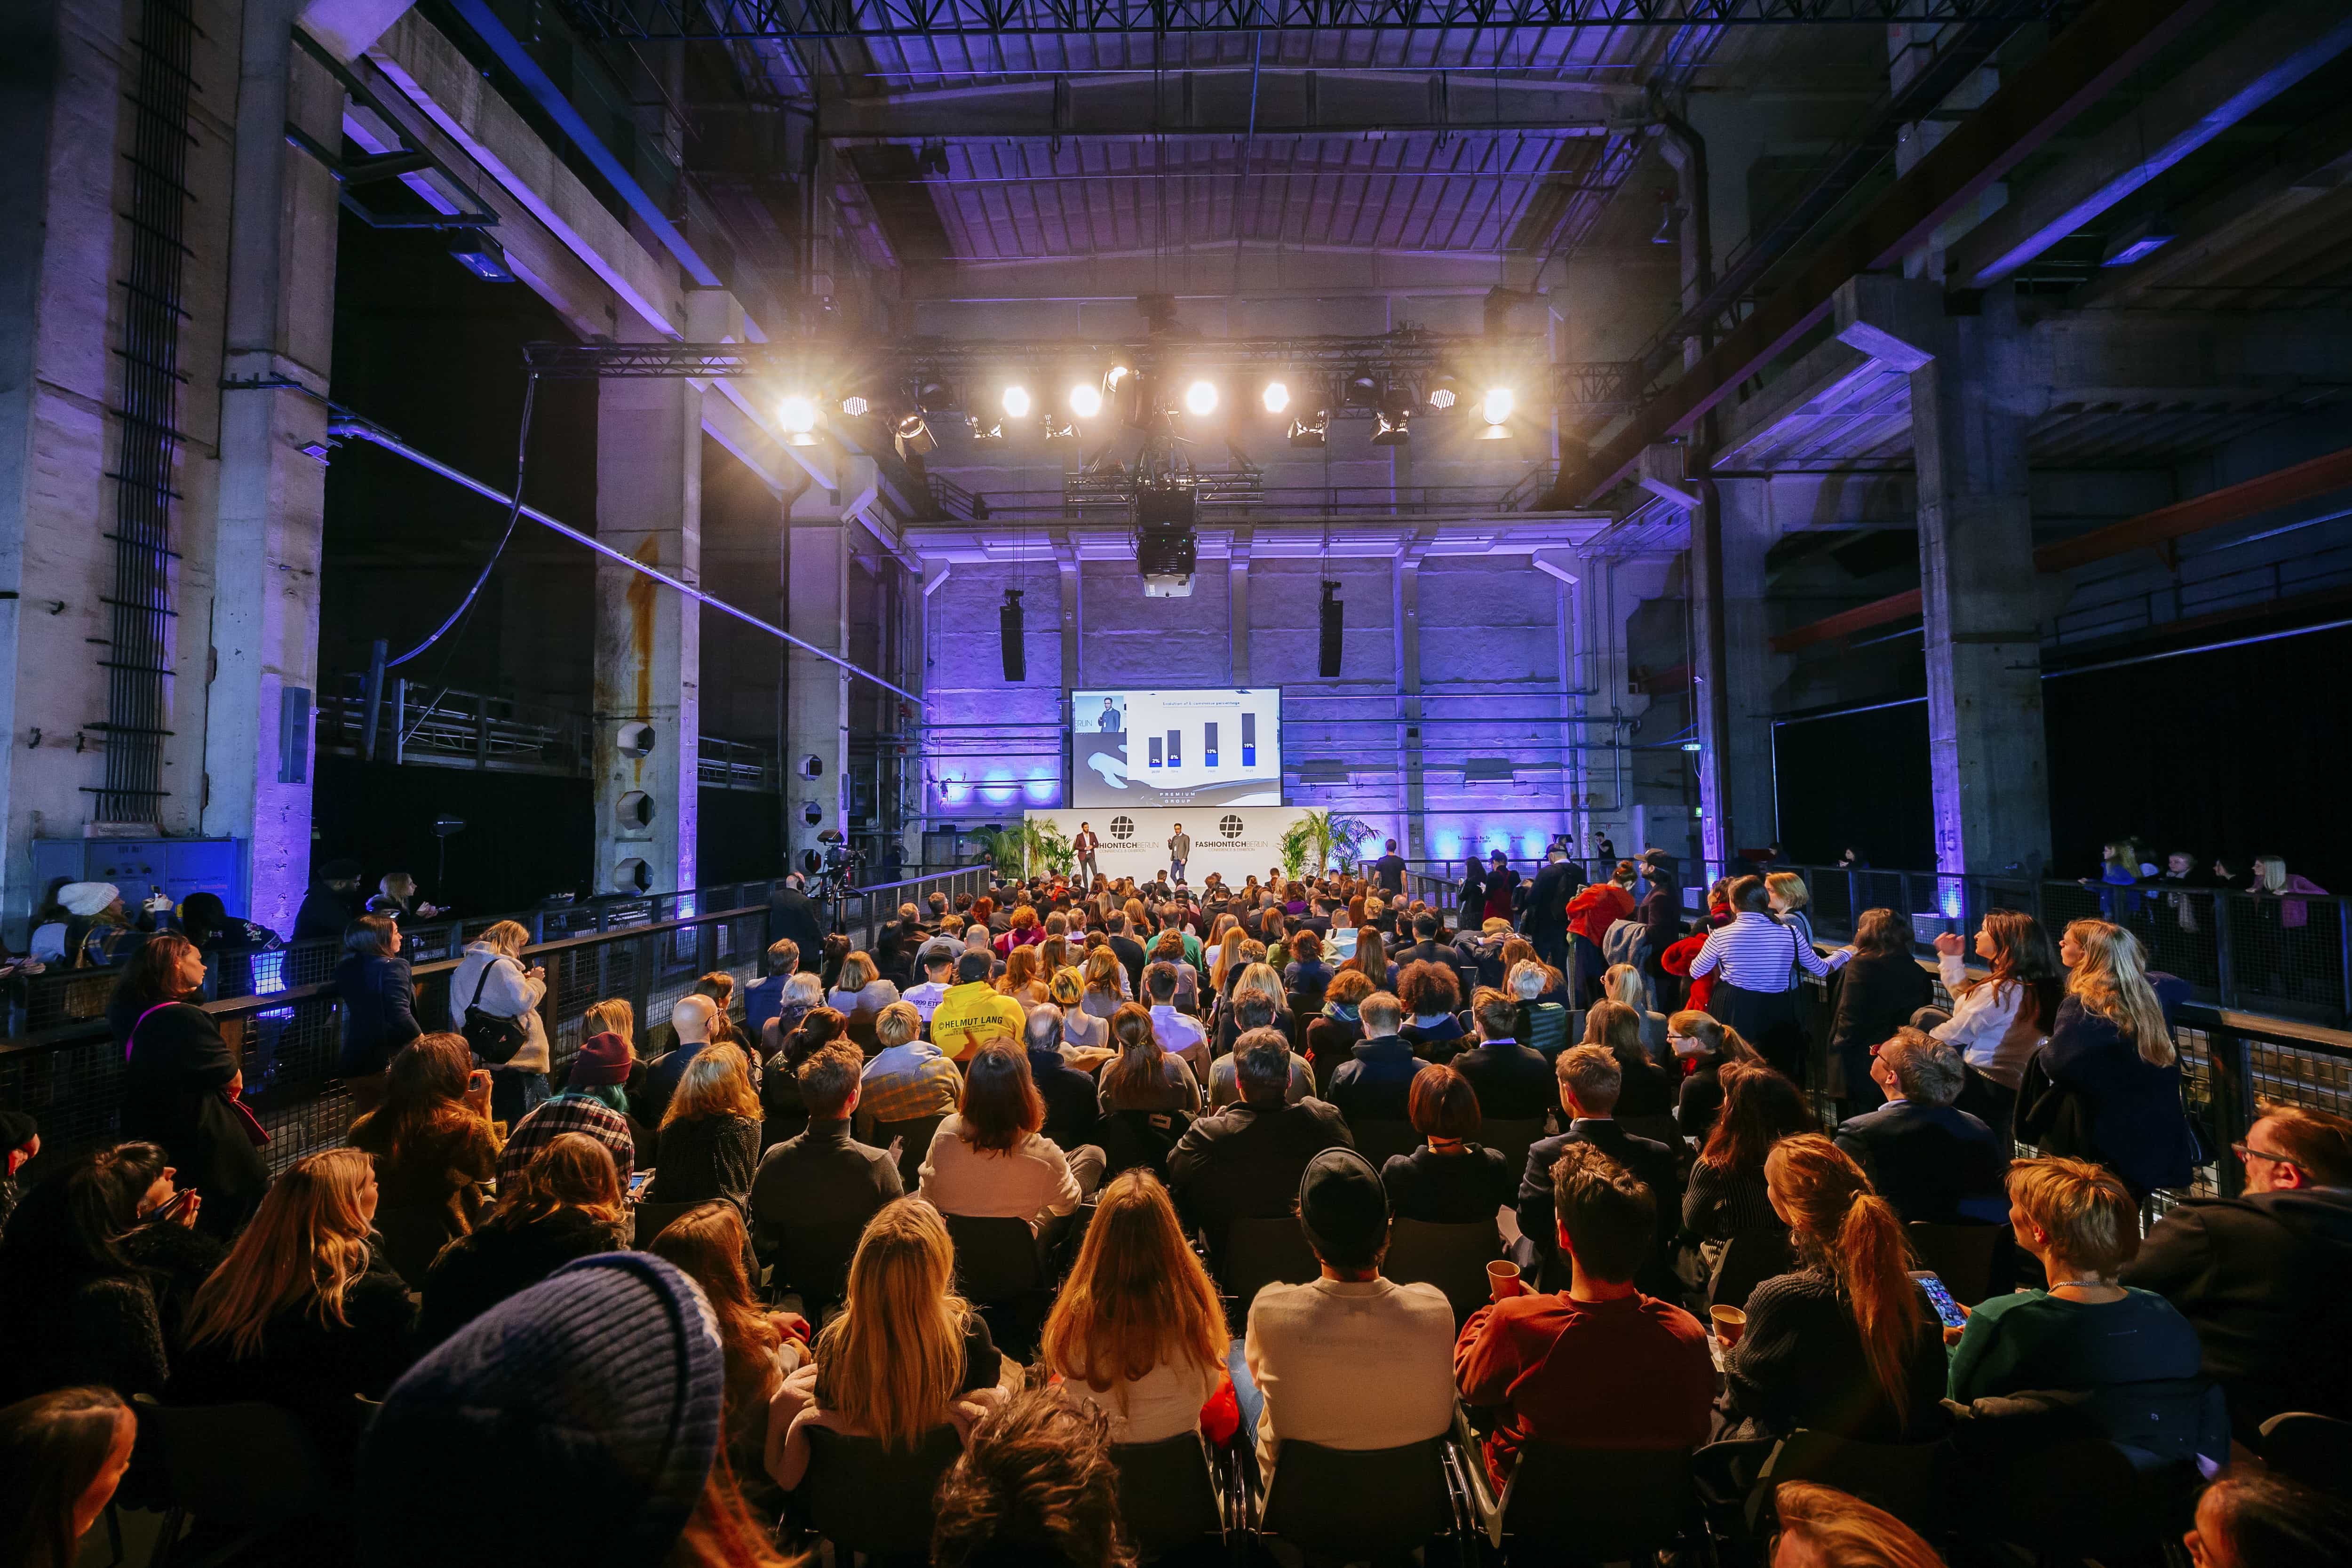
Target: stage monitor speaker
1008,631
1332,613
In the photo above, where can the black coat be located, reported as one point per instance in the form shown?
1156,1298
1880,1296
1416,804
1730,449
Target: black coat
379,1006
174,1093
1929,1161
1652,1163
1375,1083
324,915
1547,896
1876,995
1071,1108
498,1260
1514,1082
792,916
1244,1163
2137,1127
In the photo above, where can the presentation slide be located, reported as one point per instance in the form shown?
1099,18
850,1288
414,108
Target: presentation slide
1219,746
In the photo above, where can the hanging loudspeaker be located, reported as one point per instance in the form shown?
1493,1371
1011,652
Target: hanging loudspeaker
1008,622
1332,610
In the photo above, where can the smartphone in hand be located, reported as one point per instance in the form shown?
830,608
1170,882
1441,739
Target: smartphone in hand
1948,1310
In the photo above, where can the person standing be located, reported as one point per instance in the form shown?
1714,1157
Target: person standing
1545,923
1085,846
1180,849
181,1081
1756,993
1389,870
490,975
328,906
379,1006
1502,890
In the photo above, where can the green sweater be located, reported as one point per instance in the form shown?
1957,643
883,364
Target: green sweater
2032,1340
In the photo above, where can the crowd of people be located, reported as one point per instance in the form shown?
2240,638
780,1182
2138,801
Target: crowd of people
1208,1113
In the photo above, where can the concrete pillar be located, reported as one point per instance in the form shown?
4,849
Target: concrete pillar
1073,586
649,639
1405,588
1751,672
272,495
816,692
1974,396
1238,606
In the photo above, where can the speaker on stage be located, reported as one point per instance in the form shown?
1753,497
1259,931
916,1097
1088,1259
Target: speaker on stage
1332,612
1008,632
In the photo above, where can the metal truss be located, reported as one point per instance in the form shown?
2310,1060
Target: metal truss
715,20
1408,353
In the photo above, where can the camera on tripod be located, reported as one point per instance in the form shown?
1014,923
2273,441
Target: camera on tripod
836,863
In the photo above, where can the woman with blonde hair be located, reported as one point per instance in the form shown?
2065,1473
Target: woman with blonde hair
1703,1045
1259,980
1790,897
760,1348
860,988
565,1203
1142,1075
305,1311
903,1357
2085,1332
1823,1528
435,1151
1081,1030
612,1016
1625,983
710,1132
1105,982
2114,1075
1646,1089
1138,1329
1845,1343
1023,979
1226,967
491,976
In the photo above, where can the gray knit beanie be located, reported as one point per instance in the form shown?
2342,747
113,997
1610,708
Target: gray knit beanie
574,1422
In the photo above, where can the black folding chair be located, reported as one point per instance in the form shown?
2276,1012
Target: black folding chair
1262,1252
2314,1449
652,1219
248,1468
864,1498
1171,1496
1593,1505
1908,1481
996,1259
1961,1255
813,1261
1374,1504
913,1151
1512,1138
1454,1258
1376,1139
1132,1139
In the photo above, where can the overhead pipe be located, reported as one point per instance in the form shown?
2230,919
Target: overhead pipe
352,426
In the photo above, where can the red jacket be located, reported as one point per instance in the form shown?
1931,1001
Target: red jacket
1677,960
1592,911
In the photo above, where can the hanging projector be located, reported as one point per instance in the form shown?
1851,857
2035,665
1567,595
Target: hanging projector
1166,546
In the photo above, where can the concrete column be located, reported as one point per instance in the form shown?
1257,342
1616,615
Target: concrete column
1073,586
1752,673
1974,394
1405,588
272,497
649,639
816,692
1238,606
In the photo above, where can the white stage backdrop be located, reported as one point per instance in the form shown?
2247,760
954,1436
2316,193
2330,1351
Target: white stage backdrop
1235,841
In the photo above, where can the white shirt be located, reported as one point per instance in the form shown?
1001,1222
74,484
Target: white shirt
1163,1403
1031,1181
1178,1034
1350,1364
1980,1020
924,998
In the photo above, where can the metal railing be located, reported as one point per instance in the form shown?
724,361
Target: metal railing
69,1079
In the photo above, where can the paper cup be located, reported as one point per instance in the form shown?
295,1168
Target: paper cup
1730,1322
1503,1279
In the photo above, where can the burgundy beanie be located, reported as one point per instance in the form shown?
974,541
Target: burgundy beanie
603,1060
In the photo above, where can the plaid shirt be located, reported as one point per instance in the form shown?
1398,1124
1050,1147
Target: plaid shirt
908,1082
570,1113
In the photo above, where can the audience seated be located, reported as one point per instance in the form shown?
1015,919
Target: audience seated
780,1086
765,999
1253,1008
1997,1021
1738,1234
988,1160
1589,1078
1035,1484
1450,1179
1932,1161
1071,1112
1431,991
1513,1081
305,1311
1142,1075
2113,1076
1823,1528
2264,1277
62,1454
1543,1018
1245,1161
803,993
1598,1364
1180,1034
936,962
1845,1343
759,1348
860,988
435,1151
909,1078
75,1307
2249,1519
1648,1091
2085,1331
1375,1082
691,1019
823,1175
1237,1016
974,1012
591,1102
1334,1033
1703,1045
1136,1328
1081,1030
906,1355
711,1134
1351,1359
565,1205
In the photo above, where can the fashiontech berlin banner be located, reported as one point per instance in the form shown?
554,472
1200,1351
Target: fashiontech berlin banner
1235,841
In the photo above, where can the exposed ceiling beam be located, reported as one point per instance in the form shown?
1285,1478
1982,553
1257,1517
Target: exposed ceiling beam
2080,66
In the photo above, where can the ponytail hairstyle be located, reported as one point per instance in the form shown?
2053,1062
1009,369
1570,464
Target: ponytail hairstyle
1141,1060
1839,1222
2112,983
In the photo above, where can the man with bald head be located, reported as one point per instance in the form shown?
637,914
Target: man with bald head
690,1018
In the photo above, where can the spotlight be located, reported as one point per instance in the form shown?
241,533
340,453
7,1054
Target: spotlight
481,255
797,414
1496,409
1166,547
914,436
1062,432
985,435
855,406
1310,432
1201,398
1362,390
1085,400
1444,392
1277,397
934,396
1389,429
1016,401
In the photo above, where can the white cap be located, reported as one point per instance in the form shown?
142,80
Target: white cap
86,898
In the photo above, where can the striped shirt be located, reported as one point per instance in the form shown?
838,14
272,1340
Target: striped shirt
1757,953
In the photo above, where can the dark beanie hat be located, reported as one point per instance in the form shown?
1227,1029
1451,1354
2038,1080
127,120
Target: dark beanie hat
16,1130
974,965
603,1060
1342,1206
574,1422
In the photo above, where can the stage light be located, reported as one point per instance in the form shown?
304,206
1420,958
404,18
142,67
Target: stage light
985,435
1362,390
1310,432
1496,409
1277,397
797,414
914,436
1200,399
1441,398
854,406
1016,401
1085,400
1389,429
934,396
